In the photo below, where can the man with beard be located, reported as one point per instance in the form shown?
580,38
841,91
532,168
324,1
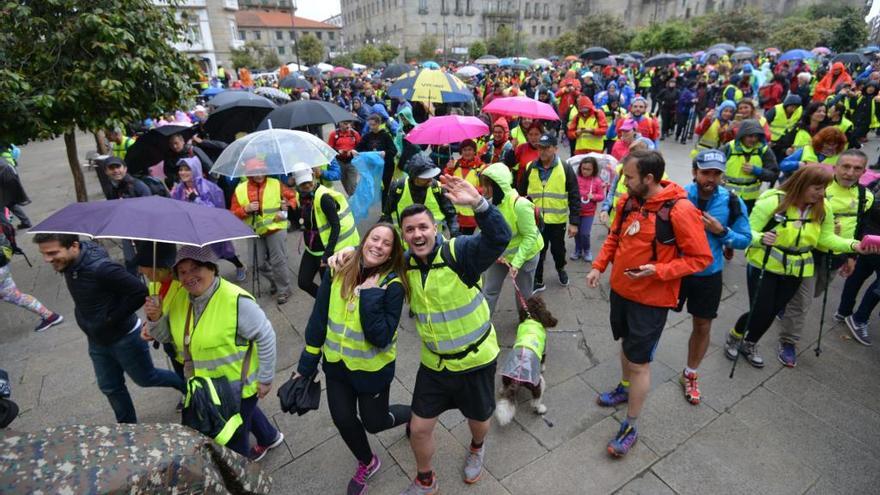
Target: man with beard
649,263
727,227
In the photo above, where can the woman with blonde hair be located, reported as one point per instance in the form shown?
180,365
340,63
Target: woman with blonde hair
787,224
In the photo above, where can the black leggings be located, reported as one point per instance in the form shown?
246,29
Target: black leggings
554,239
309,266
375,415
235,261
776,292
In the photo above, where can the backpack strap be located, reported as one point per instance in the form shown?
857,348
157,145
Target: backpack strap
860,211
631,204
733,207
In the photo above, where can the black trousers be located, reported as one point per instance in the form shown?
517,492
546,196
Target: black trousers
309,266
554,239
776,292
667,120
354,415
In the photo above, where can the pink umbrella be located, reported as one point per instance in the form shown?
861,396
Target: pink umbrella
821,50
447,129
521,106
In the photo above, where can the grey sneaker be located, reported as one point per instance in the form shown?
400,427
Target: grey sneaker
416,488
839,318
750,352
473,465
858,330
731,346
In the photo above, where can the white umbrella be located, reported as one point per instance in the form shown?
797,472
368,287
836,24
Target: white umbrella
468,71
542,62
324,67
272,152
487,60
607,165
357,66
296,67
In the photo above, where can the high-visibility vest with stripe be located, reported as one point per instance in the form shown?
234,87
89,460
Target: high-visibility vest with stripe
471,175
508,211
782,123
531,335
845,125
801,139
270,204
746,186
589,141
795,239
174,290
348,234
215,347
845,204
450,317
119,150
430,201
808,155
345,339
550,195
711,139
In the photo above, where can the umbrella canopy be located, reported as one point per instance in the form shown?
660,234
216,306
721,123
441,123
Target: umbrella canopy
212,92
394,71
296,82
341,72
324,67
430,64
150,148
305,112
595,53
571,58
713,52
796,54
272,93
661,60
447,129
743,49
542,62
273,152
518,67
625,58
228,97
313,72
150,218
772,51
521,106
742,55
487,60
430,86
724,46
638,55
468,71
607,61
506,62
239,116
821,50
868,50
850,58
358,67
684,56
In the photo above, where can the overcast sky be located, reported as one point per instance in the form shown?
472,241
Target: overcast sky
317,10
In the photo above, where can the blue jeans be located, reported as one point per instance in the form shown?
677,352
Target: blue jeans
253,421
582,239
131,355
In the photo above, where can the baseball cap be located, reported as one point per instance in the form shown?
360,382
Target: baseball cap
547,140
627,125
114,161
711,160
590,75
420,167
302,176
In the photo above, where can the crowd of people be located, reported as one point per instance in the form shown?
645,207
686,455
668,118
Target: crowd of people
777,173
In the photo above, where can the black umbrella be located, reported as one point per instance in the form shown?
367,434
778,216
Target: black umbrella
305,112
609,61
151,148
850,58
239,116
300,395
661,60
313,72
595,53
638,55
724,46
394,71
518,67
684,56
228,97
295,82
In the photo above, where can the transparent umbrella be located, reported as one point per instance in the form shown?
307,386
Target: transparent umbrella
272,152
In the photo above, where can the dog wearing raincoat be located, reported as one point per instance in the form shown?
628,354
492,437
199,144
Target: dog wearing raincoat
523,365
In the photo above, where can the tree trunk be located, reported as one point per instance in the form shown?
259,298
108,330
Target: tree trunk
79,181
101,142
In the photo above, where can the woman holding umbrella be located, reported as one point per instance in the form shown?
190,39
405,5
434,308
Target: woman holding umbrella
353,325
196,189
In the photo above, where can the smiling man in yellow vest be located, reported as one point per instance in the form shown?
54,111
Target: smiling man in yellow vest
459,347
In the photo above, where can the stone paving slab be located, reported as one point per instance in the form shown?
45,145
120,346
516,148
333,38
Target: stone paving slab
647,484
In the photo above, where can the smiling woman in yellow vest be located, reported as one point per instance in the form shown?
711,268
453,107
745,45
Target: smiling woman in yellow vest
825,148
787,224
222,333
354,326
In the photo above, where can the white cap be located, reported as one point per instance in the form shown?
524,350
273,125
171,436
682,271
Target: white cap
304,175
590,74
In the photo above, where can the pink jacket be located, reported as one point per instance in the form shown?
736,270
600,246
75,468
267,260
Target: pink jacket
587,186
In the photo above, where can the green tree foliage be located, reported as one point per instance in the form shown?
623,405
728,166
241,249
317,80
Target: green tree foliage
270,60
427,48
311,50
503,44
68,65
748,25
605,30
389,52
248,56
566,44
851,33
477,50
343,60
799,32
369,55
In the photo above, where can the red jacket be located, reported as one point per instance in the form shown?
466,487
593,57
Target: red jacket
691,253
646,126
344,141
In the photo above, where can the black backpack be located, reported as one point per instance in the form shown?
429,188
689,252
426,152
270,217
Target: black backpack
663,232
8,231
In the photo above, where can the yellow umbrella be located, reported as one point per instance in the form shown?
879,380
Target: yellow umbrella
430,86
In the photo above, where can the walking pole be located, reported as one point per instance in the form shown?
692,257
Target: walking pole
752,307
824,301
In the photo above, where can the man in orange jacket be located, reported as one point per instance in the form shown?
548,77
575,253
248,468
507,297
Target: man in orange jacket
656,239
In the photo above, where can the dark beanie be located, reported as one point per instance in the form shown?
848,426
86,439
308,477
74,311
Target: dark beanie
165,254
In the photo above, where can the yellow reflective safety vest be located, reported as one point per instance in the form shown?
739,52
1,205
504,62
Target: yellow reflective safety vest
270,204
119,150
471,175
175,290
808,155
348,234
845,125
508,211
345,339
430,201
711,139
452,319
782,123
531,335
801,139
848,203
589,141
746,186
550,195
737,93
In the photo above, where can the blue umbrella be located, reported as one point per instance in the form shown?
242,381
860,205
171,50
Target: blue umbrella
430,64
742,49
212,91
150,218
796,54
870,49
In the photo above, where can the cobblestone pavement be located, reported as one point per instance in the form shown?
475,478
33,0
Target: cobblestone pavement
813,429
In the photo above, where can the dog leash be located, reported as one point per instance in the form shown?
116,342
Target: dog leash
519,297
